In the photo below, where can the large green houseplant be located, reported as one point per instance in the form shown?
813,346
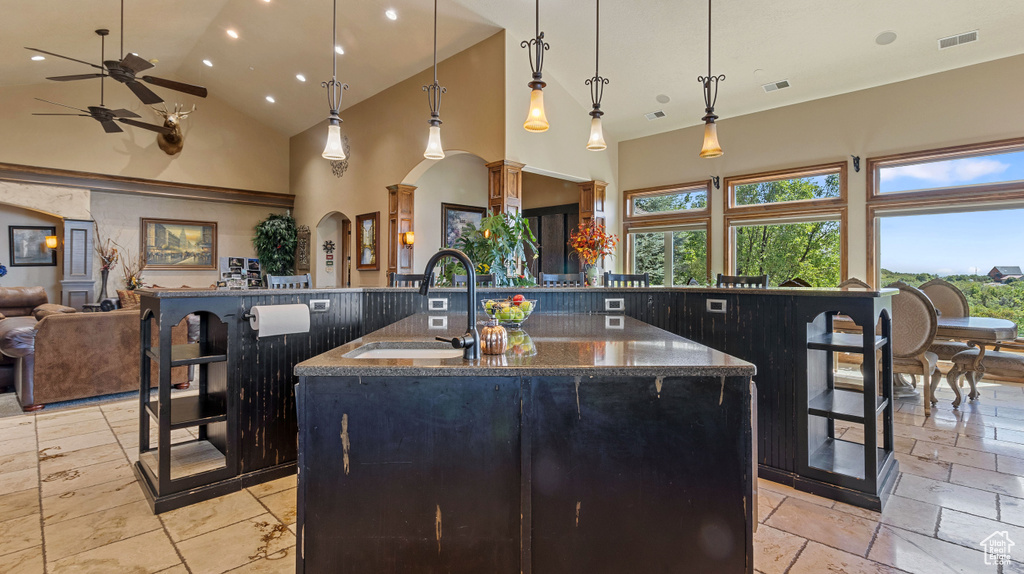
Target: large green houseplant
275,241
497,246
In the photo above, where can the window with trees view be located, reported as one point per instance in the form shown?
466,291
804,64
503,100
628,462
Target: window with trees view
672,257
811,251
784,190
666,232
668,202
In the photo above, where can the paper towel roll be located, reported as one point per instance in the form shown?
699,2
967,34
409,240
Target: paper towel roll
271,320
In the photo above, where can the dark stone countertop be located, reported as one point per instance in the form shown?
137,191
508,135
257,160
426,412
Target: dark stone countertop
566,345
785,291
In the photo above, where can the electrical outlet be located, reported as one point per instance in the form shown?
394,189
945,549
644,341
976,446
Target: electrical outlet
614,322
438,322
438,304
618,304
319,305
716,305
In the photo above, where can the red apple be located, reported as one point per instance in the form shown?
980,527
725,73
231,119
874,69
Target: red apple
518,299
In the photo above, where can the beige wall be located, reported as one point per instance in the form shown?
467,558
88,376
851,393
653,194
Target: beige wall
460,179
974,104
223,147
544,191
328,229
387,135
49,276
117,216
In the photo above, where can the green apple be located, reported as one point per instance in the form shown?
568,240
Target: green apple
525,307
505,314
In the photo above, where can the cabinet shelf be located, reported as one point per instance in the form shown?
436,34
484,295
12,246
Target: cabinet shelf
843,457
190,354
843,405
190,411
842,342
188,459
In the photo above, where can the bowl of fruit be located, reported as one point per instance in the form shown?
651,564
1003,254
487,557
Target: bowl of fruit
520,344
510,312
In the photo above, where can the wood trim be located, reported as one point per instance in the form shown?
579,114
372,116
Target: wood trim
375,217
627,212
137,186
401,202
793,216
822,169
627,228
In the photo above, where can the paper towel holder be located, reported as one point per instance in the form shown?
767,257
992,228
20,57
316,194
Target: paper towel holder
248,316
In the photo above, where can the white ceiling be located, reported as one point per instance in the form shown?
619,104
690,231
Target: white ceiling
648,47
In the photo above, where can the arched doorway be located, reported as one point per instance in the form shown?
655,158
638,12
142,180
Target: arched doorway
333,270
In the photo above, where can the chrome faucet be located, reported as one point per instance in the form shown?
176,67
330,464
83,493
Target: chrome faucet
470,342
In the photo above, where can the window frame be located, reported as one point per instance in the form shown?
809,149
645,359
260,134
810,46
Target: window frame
805,215
693,224
783,174
668,216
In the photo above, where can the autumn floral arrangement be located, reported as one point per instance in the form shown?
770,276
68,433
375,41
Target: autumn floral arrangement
107,253
131,270
591,242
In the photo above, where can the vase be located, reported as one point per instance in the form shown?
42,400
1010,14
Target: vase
104,274
593,273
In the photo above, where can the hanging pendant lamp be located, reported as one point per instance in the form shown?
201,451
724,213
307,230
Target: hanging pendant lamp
711,147
334,150
434,91
536,119
597,84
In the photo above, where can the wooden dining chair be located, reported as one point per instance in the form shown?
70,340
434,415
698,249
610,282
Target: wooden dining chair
408,279
854,283
743,281
795,282
914,323
693,282
627,279
950,302
289,281
482,280
562,279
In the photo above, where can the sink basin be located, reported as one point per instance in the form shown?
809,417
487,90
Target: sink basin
404,350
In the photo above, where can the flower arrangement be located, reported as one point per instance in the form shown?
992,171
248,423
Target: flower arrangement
131,269
107,253
3,270
591,242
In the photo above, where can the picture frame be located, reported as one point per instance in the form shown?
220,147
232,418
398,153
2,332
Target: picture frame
28,246
176,244
368,241
454,217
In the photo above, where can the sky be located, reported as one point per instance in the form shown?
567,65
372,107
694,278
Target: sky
954,243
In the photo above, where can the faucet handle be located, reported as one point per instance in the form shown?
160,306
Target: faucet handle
459,342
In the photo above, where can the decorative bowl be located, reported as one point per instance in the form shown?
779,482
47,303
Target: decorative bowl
508,313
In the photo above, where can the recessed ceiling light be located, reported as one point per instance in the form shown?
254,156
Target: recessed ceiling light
38,58
300,77
663,99
271,99
885,38
233,34
208,63
339,50
391,14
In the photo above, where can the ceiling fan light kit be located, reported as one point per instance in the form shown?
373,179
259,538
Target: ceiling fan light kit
536,119
334,150
434,150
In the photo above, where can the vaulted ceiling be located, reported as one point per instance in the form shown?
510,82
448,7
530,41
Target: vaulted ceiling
649,48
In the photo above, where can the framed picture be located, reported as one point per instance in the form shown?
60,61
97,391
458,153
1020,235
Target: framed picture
454,218
368,227
177,244
28,246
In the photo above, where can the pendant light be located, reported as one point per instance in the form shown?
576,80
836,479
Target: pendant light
334,150
597,84
711,146
536,119
434,91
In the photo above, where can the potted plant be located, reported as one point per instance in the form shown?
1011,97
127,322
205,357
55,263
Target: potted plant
591,242
275,240
497,246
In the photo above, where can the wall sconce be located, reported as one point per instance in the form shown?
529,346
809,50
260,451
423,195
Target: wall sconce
408,238
51,241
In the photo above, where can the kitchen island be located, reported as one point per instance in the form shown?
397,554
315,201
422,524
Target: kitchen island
605,445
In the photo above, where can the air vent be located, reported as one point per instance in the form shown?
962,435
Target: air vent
655,115
776,86
965,38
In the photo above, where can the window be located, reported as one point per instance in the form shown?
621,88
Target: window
817,185
810,250
667,202
963,168
672,257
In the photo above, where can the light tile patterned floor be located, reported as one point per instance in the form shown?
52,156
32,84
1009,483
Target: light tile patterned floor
69,502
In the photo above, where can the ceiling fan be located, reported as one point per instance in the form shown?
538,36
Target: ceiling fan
125,71
106,117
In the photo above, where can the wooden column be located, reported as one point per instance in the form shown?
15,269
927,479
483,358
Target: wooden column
77,283
400,216
505,187
592,201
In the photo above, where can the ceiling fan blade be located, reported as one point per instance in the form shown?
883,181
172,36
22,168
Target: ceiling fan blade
63,105
75,77
65,57
110,127
177,86
135,63
122,113
145,126
145,94
82,115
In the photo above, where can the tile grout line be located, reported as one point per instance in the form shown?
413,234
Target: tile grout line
39,484
874,536
797,555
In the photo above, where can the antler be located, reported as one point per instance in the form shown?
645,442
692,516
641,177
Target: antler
185,114
163,112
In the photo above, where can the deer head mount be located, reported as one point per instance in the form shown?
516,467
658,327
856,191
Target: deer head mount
173,142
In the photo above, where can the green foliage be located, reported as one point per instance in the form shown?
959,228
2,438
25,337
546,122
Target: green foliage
497,246
689,256
275,240
673,202
986,299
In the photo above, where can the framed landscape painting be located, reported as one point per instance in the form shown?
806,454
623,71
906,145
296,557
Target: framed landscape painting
367,252
28,246
455,217
178,244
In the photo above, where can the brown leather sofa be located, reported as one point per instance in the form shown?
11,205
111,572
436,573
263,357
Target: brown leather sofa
77,355
17,302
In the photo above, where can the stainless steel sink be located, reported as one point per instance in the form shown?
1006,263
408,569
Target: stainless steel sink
404,350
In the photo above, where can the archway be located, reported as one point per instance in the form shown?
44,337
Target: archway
332,270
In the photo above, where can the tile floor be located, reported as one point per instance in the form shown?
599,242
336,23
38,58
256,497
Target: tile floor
69,502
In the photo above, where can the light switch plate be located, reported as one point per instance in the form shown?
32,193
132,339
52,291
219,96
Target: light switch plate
716,305
617,304
439,304
437,322
319,305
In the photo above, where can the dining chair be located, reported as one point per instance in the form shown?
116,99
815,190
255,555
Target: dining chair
795,282
950,303
289,281
693,282
746,281
408,279
563,279
482,280
854,283
627,279
914,323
